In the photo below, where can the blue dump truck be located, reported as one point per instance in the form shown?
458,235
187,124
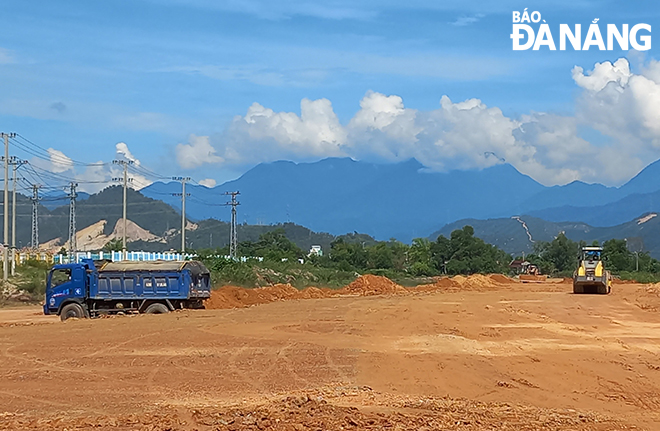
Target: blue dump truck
83,290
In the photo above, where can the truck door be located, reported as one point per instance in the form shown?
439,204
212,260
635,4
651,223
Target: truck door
78,281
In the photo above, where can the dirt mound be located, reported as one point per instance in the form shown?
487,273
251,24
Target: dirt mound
368,285
442,284
279,291
313,412
476,282
446,282
499,278
239,297
619,281
365,285
314,293
532,278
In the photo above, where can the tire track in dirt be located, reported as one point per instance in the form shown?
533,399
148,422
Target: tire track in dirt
72,406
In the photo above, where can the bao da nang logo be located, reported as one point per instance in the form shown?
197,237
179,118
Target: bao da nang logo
526,35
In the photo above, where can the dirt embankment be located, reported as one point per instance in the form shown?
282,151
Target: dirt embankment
317,410
365,285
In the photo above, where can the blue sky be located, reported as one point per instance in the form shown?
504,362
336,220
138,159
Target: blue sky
80,77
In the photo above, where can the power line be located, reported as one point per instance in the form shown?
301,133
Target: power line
62,159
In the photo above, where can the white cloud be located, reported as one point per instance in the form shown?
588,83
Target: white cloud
138,180
603,74
208,182
265,135
96,176
196,153
123,152
59,162
464,20
624,107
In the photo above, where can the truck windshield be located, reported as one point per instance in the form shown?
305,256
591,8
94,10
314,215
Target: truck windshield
59,276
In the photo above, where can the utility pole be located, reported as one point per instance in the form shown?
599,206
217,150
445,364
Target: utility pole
124,164
5,238
233,236
183,209
73,246
34,244
16,163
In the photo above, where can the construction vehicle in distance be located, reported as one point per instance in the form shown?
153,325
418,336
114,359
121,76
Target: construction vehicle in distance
591,275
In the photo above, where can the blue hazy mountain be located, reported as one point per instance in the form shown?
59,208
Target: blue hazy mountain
55,198
576,193
599,205
340,195
609,214
404,200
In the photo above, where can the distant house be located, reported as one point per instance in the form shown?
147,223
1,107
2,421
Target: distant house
519,266
315,250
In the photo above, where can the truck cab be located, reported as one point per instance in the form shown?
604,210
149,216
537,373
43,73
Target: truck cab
67,284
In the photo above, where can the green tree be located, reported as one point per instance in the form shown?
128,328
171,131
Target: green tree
419,258
400,253
562,253
348,256
275,246
113,245
380,256
466,254
617,256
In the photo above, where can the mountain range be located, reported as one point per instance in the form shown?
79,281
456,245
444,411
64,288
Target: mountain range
404,200
340,195
517,235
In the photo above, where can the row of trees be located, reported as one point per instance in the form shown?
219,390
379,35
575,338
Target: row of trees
461,253
560,256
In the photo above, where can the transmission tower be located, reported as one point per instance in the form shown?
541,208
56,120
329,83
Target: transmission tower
35,217
73,246
16,163
5,237
233,235
125,180
183,195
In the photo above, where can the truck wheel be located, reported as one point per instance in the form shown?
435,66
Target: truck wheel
72,310
157,308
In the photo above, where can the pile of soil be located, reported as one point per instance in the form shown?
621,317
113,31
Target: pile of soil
442,284
365,285
478,282
533,278
619,281
368,285
311,412
238,297
500,278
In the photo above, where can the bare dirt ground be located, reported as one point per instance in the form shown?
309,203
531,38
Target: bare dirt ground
458,355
